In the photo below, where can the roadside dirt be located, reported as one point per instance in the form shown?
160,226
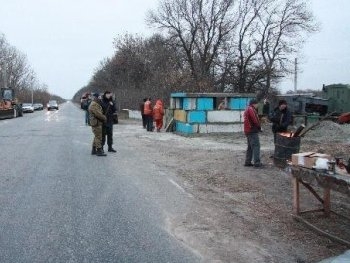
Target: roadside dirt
244,214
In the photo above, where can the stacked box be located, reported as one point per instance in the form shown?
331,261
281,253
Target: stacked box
195,112
180,115
205,103
226,116
176,103
217,128
238,103
308,159
189,103
186,127
196,117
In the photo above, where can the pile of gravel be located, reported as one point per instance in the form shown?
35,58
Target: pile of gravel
328,130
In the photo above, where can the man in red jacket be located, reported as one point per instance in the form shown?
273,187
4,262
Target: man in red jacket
252,128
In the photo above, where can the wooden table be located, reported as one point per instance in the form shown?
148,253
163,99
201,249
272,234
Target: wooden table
328,182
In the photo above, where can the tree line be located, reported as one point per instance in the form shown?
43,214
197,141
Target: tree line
242,46
16,72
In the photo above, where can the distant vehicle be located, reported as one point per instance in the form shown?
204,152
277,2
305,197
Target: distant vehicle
27,107
302,104
52,105
9,106
38,106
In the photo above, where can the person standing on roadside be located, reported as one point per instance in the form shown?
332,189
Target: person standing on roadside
280,118
96,122
142,108
223,104
158,113
252,128
85,103
266,107
148,111
109,108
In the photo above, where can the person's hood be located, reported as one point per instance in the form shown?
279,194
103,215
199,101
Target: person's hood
159,102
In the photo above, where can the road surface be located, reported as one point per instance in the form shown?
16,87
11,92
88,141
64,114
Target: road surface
60,204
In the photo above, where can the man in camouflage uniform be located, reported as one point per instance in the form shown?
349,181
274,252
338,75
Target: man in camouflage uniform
96,121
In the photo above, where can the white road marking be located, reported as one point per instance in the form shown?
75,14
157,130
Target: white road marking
179,187
52,116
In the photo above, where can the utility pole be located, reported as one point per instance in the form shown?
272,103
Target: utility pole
295,75
32,88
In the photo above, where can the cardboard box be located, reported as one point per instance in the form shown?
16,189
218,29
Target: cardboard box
308,159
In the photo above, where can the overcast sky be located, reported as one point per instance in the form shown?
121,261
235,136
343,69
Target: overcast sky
65,40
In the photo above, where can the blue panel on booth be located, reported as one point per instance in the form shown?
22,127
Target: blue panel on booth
205,104
184,127
189,103
196,117
178,94
238,103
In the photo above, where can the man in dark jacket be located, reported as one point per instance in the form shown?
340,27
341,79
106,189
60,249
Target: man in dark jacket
252,128
109,109
142,108
85,103
280,118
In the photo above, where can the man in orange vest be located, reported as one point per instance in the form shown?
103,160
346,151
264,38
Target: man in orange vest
158,113
148,112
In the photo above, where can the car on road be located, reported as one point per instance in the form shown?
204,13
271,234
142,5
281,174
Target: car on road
52,105
27,107
38,106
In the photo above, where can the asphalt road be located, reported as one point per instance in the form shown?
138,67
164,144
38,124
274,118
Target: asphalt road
60,204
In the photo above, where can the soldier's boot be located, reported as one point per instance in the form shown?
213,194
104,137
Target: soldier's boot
93,151
110,149
99,152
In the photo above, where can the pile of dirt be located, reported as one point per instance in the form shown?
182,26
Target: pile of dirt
328,137
327,130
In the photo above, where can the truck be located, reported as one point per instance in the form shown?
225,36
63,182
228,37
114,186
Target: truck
9,106
303,104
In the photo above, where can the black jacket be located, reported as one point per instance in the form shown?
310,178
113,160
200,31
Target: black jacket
108,110
280,119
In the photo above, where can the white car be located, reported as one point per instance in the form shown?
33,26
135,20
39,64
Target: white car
52,105
27,107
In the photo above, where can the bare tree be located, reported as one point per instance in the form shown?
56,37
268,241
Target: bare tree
17,73
141,67
247,60
285,23
199,27
208,45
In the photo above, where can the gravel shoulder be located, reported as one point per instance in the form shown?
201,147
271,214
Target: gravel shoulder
244,214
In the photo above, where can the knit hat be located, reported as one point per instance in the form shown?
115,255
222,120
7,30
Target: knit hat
95,95
253,101
282,102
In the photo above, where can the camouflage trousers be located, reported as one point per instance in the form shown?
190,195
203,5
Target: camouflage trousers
97,130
